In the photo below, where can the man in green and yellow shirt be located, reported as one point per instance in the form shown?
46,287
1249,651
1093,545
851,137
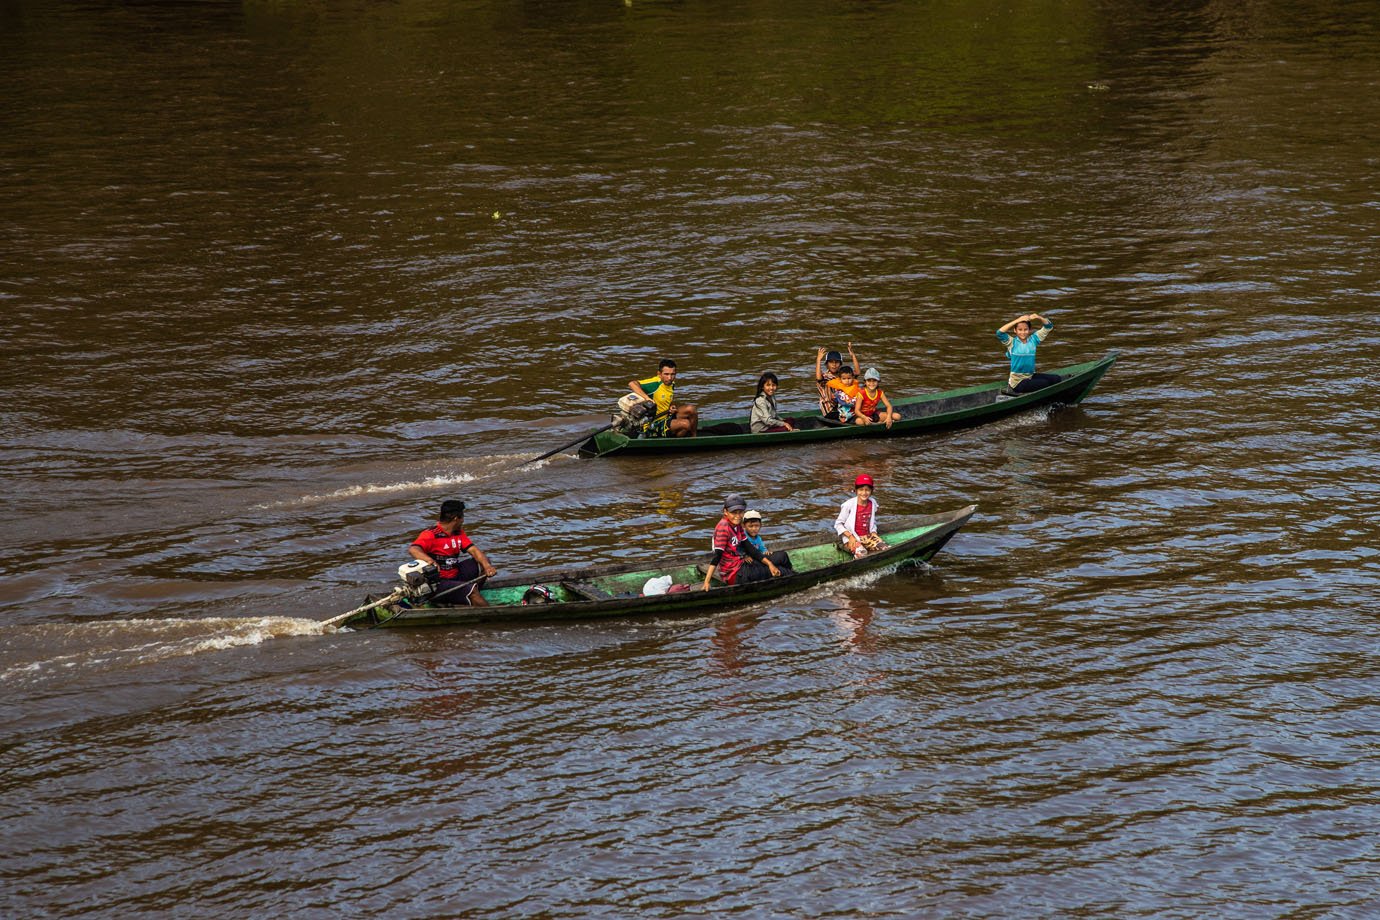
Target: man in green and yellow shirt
670,420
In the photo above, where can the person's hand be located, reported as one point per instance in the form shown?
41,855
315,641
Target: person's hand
889,420
705,586
775,572
490,571
822,350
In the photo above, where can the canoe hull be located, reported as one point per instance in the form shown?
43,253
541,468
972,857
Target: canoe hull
825,562
928,414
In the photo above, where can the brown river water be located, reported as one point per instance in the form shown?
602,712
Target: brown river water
277,278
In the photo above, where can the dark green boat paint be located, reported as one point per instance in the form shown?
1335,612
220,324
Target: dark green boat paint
927,414
615,590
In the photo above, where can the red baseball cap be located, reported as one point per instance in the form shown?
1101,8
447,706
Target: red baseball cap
863,480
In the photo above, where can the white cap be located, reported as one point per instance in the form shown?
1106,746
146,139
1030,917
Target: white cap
752,516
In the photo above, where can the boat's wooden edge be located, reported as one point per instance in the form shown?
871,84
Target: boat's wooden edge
567,573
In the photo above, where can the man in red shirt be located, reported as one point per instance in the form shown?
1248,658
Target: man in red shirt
461,565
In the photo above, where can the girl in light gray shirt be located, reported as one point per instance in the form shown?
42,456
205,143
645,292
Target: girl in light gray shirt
764,415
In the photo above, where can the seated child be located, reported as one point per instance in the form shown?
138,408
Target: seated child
758,571
827,366
764,414
845,391
856,524
873,406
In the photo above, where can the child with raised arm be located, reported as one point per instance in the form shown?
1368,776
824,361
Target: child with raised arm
845,392
827,366
1021,350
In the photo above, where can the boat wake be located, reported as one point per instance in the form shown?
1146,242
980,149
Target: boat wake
492,467
28,652
431,482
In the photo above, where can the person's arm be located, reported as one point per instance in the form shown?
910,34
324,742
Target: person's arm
841,522
1023,318
857,368
780,420
636,387
762,557
890,412
713,564
771,566
421,548
872,524
719,544
1043,332
485,567
844,524
819,366
774,414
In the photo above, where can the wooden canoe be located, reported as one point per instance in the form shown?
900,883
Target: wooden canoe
927,414
616,590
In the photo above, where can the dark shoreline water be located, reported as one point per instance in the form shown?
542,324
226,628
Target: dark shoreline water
277,280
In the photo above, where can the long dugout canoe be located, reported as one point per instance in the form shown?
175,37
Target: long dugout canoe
930,413
616,590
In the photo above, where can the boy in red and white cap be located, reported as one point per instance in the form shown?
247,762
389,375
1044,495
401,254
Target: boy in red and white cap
856,524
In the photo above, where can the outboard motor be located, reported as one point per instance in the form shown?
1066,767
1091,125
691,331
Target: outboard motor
633,412
420,579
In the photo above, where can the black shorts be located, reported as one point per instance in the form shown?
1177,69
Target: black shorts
466,571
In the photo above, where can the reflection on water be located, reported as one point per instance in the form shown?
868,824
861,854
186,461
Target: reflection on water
852,619
278,279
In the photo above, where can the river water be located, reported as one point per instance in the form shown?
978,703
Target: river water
278,278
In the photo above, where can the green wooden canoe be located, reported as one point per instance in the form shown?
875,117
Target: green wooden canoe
616,590
926,414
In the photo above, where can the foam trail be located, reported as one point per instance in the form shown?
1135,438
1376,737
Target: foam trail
128,643
431,482
500,465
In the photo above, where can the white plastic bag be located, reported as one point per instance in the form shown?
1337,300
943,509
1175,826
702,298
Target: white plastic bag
659,585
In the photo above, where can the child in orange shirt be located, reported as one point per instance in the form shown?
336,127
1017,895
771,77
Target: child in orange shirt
845,391
873,396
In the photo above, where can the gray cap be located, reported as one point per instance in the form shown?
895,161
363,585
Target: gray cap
734,502
872,374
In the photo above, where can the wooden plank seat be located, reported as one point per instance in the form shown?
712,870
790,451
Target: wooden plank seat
586,591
